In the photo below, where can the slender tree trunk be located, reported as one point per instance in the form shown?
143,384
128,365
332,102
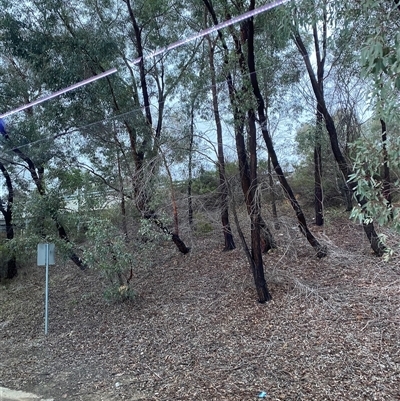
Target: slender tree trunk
240,232
223,188
190,173
369,229
267,239
175,234
258,270
320,55
318,194
245,174
122,203
12,270
272,194
320,249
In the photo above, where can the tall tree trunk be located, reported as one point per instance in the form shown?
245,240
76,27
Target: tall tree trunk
239,117
223,188
267,239
190,173
386,171
175,233
122,203
142,196
320,55
320,249
369,229
245,174
12,270
318,194
258,268
272,194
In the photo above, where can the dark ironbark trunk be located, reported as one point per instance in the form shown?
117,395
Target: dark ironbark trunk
142,198
151,216
369,229
190,173
320,249
267,239
239,116
272,194
245,175
346,192
12,270
258,268
229,243
320,55
122,194
63,235
318,194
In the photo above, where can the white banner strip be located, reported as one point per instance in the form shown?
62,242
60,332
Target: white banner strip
214,28
174,45
60,92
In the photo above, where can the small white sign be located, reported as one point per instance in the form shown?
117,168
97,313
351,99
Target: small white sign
41,254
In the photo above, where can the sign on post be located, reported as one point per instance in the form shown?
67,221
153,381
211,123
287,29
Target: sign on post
41,254
46,257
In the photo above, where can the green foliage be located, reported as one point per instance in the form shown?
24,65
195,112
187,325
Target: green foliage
109,252
303,177
203,227
4,257
369,185
206,182
380,56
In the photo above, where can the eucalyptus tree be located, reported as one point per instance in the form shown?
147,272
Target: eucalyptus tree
379,59
78,40
223,184
20,84
306,15
246,58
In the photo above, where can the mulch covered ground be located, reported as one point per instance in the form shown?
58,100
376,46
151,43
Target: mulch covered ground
195,330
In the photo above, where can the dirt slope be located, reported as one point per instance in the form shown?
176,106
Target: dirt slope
196,332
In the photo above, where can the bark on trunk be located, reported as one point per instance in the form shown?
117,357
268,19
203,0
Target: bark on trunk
190,174
320,250
63,235
239,116
229,243
247,176
273,195
151,216
12,270
258,269
376,244
318,194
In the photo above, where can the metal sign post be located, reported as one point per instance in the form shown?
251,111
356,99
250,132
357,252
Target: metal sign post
46,257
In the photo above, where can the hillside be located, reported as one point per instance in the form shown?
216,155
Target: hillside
196,332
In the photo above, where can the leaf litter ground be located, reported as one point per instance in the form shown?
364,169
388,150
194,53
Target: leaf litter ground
196,332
